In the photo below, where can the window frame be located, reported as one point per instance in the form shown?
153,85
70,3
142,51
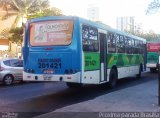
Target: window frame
90,45
111,44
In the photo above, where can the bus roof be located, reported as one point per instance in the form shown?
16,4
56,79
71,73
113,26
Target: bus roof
108,28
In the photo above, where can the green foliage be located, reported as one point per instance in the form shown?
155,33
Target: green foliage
16,35
30,8
46,12
153,7
25,6
26,9
148,35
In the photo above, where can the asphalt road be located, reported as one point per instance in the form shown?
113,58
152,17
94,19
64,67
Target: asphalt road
40,98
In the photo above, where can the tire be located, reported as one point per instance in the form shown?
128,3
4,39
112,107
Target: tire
73,85
152,70
8,80
140,72
112,78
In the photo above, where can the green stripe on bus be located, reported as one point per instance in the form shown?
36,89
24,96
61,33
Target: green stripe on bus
121,60
91,61
152,57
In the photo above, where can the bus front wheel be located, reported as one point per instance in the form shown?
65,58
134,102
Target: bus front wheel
113,78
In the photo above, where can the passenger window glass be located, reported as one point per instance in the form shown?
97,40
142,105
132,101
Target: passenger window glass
111,43
16,63
143,47
128,43
90,39
136,47
7,63
20,63
120,44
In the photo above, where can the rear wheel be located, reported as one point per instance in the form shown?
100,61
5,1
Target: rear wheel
8,80
152,70
113,78
140,72
73,85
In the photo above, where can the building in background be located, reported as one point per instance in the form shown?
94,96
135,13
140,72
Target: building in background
4,44
126,24
4,47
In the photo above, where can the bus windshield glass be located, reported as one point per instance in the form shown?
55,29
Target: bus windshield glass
51,33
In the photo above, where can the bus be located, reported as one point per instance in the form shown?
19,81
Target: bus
152,55
79,51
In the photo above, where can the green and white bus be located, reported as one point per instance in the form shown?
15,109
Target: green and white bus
79,51
152,55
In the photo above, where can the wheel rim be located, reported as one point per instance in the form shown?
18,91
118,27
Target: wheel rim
8,80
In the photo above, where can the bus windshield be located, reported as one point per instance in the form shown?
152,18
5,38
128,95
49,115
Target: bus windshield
51,33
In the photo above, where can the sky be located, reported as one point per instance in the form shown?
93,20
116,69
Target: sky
110,9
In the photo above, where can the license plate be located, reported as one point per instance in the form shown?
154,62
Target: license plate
48,71
47,77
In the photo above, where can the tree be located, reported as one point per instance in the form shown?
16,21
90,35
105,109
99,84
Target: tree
28,9
148,35
7,6
47,12
25,7
153,7
16,35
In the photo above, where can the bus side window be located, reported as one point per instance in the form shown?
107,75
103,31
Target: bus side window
141,47
111,43
90,39
134,49
128,43
136,46
120,44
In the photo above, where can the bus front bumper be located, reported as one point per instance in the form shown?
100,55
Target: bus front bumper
151,65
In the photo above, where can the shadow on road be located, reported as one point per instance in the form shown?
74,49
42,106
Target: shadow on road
68,96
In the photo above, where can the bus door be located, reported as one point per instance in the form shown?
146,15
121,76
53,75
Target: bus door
103,56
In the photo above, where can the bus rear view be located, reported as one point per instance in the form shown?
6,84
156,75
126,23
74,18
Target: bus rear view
79,51
152,55
50,50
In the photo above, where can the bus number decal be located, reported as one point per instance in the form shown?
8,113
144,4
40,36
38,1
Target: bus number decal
91,61
50,63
